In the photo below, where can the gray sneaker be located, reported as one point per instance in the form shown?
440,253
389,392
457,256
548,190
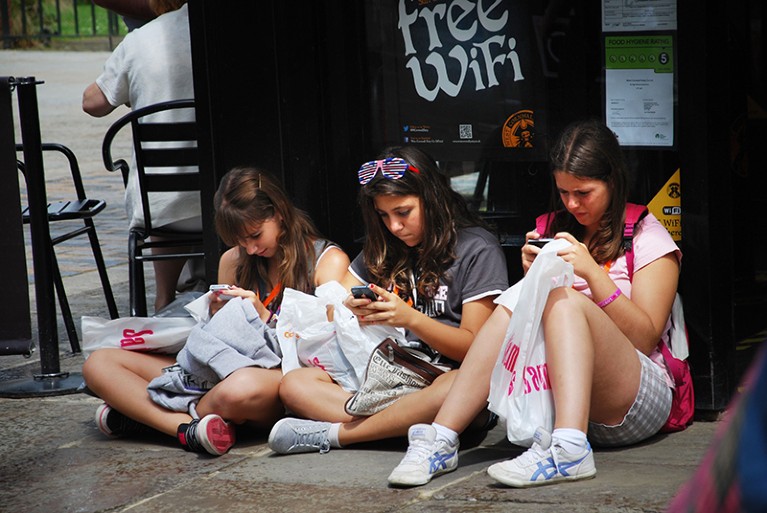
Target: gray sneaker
292,436
544,463
426,457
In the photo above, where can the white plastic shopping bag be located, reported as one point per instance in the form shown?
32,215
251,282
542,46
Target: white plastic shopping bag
520,393
165,335
341,347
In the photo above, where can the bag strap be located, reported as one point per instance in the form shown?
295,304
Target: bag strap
543,221
634,214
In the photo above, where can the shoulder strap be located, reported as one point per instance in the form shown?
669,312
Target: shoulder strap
634,214
543,221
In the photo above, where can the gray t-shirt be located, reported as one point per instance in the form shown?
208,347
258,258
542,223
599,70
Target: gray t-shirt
478,271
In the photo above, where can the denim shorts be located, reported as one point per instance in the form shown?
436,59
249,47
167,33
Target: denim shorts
645,417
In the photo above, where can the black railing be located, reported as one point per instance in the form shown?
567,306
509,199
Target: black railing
27,23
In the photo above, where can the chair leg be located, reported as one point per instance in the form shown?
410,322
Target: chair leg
136,279
102,269
66,311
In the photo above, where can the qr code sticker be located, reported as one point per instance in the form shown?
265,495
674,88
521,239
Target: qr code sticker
465,132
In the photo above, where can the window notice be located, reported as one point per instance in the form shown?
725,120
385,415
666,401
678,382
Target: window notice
638,15
639,89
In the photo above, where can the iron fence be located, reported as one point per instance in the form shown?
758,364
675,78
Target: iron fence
29,23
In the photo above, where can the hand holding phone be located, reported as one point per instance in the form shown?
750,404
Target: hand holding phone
219,288
362,291
539,242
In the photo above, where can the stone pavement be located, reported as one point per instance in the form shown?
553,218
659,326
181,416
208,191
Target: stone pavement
55,460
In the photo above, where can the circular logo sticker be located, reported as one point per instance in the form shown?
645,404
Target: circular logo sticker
519,130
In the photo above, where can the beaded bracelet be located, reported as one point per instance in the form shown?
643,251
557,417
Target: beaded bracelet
610,299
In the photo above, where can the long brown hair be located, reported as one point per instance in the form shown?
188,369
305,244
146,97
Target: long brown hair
389,260
247,196
589,150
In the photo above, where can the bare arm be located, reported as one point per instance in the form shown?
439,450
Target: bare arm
643,317
333,266
95,103
653,289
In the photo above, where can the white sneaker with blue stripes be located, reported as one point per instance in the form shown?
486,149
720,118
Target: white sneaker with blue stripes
543,464
426,457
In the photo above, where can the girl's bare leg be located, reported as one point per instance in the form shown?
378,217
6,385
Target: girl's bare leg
395,420
593,368
311,393
471,387
247,394
120,378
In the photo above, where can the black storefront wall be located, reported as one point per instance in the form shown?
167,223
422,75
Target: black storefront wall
298,114
306,117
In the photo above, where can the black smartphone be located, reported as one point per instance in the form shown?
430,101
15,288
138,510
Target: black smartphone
539,242
363,291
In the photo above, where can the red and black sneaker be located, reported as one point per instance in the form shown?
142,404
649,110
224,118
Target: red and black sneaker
210,434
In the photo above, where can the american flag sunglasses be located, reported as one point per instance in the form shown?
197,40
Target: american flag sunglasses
392,168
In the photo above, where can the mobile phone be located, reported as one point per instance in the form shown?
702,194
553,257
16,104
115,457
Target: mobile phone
219,287
539,242
363,291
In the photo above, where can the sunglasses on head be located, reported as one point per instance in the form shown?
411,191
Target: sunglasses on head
392,168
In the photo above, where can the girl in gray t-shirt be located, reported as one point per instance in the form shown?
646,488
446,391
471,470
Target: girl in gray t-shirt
435,271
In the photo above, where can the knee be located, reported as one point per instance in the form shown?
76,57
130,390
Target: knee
98,363
243,388
294,385
563,299
436,393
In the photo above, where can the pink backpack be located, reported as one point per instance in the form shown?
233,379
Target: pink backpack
683,403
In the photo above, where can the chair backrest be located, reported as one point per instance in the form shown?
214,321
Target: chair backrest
164,137
74,167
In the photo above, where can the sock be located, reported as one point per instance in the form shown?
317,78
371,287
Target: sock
445,433
571,440
333,435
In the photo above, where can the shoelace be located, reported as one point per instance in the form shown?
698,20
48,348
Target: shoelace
536,453
419,451
315,437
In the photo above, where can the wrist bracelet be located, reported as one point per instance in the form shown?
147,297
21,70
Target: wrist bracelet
610,299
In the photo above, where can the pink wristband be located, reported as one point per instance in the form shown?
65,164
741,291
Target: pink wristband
610,299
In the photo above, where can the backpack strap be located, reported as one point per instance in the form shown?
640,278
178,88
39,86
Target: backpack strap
543,221
634,214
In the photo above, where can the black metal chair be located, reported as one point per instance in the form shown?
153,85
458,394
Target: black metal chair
84,209
157,146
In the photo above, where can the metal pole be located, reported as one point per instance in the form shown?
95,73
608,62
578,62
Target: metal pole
29,122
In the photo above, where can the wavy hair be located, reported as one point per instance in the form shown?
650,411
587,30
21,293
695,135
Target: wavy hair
389,260
248,196
590,150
